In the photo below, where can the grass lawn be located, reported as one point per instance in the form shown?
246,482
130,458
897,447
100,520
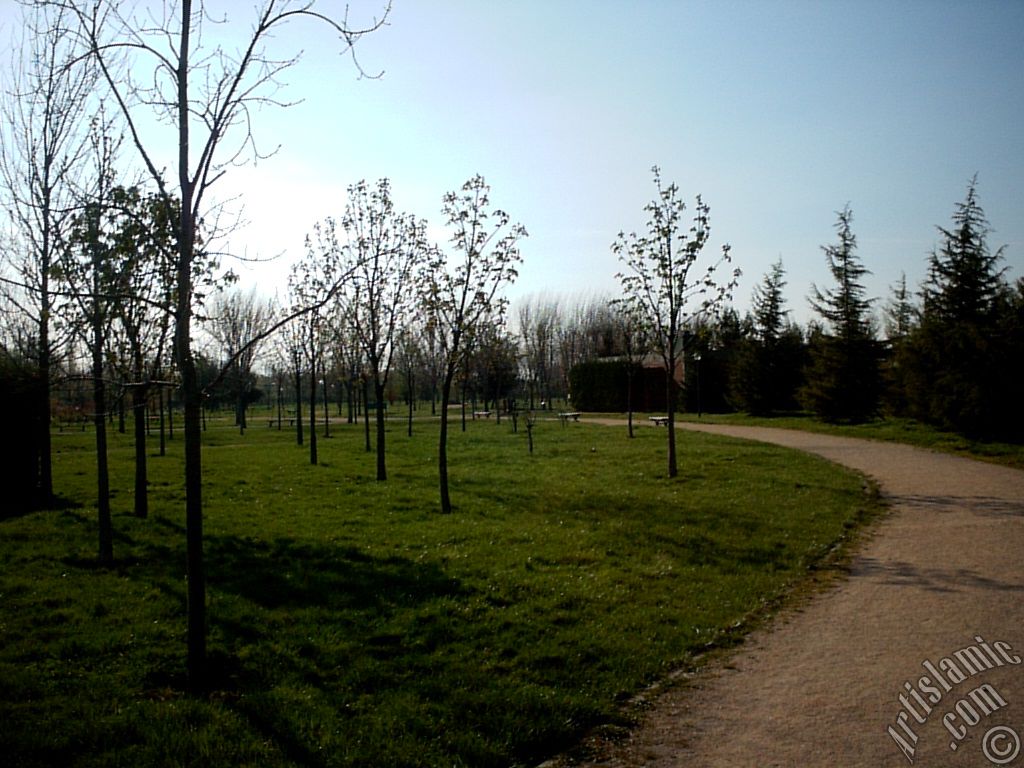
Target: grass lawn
351,624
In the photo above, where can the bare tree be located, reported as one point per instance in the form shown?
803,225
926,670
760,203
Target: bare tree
207,98
459,294
385,250
634,342
87,265
238,321
42,150
538,319
659,288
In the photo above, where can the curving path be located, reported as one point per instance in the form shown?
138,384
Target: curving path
821,686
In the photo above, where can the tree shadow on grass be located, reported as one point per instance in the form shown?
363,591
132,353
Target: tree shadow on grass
300,588
285,573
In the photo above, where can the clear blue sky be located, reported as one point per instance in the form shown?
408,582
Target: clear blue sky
778,113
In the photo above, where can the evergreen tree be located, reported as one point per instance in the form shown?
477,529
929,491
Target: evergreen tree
900,317
767,369
956,359
844,375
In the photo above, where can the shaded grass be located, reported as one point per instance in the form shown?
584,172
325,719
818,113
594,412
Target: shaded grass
352,624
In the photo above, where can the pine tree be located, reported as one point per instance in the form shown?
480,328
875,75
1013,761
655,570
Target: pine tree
956,358
844,376
767,369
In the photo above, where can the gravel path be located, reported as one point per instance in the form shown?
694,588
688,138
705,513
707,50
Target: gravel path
821,686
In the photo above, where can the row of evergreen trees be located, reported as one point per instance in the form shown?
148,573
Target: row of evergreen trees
949,356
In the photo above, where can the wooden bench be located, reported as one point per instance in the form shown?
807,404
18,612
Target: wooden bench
566,415
659,421
481,414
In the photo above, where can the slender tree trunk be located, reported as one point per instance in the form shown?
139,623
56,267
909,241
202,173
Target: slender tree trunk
366,413
195,566
170,413
106,532
240,410
412,396
670,397
45,360
298,405
121,427
442,446
327,409
139,417
312,409
163,432
382,472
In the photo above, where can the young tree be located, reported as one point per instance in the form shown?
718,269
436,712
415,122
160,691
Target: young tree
538,320
208,99
636,345
142,286
385,251
459,293
43,146
659,288
87,267
844,378
238,322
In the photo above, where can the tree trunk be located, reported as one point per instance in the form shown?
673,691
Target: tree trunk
195,567
327,408
240,410
43,420
382,472
139,417
298,405
163,432
670,401
312,409
442,446
106,532
366,413
412,396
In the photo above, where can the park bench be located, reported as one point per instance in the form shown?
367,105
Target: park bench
659,421
481,414
566,415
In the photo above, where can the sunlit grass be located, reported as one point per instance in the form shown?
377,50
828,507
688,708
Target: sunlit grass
353,624
898,430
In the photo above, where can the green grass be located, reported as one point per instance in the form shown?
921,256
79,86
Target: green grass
352,624
897,430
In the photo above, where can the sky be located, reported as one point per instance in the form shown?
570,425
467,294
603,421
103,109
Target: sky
778,113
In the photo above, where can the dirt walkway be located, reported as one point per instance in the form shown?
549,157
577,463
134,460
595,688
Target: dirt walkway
822,685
